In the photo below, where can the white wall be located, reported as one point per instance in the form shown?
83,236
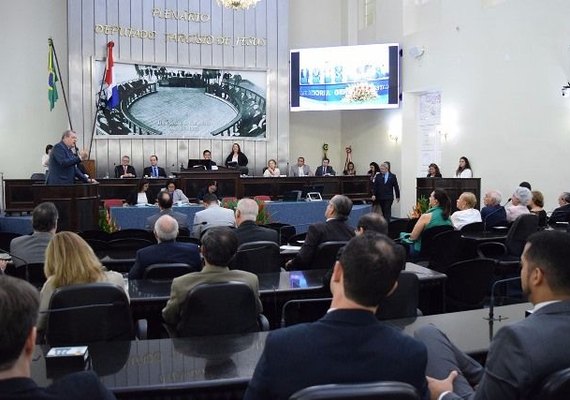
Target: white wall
26,124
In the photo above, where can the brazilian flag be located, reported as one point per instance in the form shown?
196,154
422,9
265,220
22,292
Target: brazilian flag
52,78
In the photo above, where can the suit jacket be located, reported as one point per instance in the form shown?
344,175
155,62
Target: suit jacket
345,346
148,172
385,191
79,385
249,231
332,230
295,170
494,216
329,170
182,219
63,166
209,274
242,159
212,216
560,214
523,354
133,196
130,170
31,248
165,252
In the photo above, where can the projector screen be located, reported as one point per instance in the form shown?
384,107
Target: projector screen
345,78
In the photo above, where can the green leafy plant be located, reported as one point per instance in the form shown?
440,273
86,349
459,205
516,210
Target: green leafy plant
422,205
106,223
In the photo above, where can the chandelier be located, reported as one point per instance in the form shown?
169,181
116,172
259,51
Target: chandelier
238,4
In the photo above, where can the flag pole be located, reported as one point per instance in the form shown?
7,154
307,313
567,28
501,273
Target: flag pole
51,44
97,108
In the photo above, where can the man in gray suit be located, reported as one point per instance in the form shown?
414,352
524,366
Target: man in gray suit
32,248
523,354
165,204
301,169
213,215
219,245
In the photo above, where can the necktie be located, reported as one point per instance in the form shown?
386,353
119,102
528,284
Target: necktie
124,169
154,173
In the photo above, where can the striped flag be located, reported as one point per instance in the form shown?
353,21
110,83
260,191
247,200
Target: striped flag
111,89
52,77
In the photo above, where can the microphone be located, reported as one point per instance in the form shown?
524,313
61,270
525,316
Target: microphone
200,223
6,255
491,316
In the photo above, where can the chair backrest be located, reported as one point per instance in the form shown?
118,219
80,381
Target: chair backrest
88,313
133,233
262,198
325,257
555,387
362,391
183,232
108,203
403,303
396,226
285,231
469,283
6,239
129,243
444,250
258,257
427,237
38,176
298,311
188,239
473,227
95,234
167,271
35,274
520,230
218,309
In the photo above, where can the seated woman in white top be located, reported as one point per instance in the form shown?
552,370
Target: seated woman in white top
466,214
70,261
271,170
519,202
177,195
464,168
142,194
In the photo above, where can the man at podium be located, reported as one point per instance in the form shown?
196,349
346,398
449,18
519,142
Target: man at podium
63,161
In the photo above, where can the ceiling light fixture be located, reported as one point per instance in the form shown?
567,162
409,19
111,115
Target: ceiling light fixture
238,4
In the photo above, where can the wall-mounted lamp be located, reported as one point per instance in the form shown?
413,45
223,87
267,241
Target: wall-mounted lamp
442,132
566,89
394,136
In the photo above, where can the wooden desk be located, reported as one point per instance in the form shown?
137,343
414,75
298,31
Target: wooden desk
453,186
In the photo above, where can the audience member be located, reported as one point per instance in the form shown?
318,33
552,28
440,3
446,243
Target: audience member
45,157
519,202
385,186
247,230
237,159
165,204
125,170
219,246
213,215
211,188
301,169
271,170
167,250
325,169
70,261
347,345
467,214
154,171
433,171
464,168
31,249
536,207
350,169
526,185
176,194
335,228
19,304
436,215
521,354
141,195
373,171
562,213
493,214
63,161
371,222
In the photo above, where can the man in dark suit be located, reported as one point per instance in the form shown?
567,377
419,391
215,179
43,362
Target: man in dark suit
325,169
523,354
347,345
31,249
219,246
165,204
334,229
125,170
63,161
562,213
385,185
167,250
154,171
493,214
19,302
247,230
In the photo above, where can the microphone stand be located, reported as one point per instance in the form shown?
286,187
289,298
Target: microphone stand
491,317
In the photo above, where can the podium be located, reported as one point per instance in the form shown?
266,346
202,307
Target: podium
77,205
453,186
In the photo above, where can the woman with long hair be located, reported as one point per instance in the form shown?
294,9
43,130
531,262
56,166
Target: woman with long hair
433,171
70,261
350,170
464,168
271,170
237,159
141,195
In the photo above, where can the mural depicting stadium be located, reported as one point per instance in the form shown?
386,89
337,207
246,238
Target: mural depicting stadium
174,102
